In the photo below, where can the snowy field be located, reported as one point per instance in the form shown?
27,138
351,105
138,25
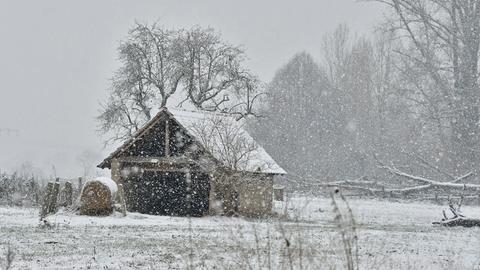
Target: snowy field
391,235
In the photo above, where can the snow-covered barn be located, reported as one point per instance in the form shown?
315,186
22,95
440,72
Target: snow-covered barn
194,163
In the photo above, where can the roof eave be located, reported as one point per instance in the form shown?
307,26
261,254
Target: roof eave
106,162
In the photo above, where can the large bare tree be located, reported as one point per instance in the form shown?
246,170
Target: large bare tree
157,63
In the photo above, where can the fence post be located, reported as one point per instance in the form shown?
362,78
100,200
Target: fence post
121,199
68,193
54,197
34,190
46,200
80,184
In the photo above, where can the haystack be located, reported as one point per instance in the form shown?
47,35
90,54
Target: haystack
97,197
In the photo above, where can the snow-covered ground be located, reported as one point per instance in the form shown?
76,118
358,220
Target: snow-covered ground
391,235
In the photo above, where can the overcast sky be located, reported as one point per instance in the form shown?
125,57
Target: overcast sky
56,58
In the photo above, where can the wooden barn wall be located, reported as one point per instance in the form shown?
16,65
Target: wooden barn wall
179,139
152,144
248,195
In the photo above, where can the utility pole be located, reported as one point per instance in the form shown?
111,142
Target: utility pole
9,132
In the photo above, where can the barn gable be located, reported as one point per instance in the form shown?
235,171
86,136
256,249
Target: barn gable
152,141
151,144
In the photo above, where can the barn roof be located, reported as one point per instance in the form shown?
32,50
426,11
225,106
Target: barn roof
196,123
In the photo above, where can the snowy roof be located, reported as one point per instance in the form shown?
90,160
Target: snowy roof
214,131
224,129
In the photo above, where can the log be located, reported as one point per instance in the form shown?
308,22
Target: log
459,221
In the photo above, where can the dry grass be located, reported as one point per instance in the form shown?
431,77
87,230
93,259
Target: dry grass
287,244
9,255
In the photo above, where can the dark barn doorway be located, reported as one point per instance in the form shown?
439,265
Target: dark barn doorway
167,193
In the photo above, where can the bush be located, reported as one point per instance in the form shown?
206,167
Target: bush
19,190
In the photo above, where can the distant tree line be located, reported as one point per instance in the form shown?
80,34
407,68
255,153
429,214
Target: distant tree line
407,97
325,120
18,189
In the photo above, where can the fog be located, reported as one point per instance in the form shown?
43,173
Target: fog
57,58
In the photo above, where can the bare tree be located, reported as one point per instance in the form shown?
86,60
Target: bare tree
87,160
157,62
299,117
120,116
149,75
249,93
212,68
226,140
440,63
364,117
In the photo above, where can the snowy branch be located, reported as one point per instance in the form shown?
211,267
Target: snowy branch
429,182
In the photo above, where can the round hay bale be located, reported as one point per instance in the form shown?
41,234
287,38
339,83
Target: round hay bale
96,199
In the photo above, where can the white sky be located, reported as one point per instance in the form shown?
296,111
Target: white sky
56,57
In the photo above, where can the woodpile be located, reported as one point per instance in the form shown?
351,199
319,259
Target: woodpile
96,199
